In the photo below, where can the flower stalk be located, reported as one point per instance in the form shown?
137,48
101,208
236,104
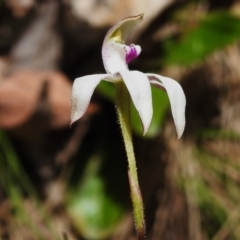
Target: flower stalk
123,110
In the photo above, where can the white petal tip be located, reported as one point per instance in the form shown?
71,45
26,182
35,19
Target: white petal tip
147,123
179,135
72,121
74,118
180,131
145,131
180,126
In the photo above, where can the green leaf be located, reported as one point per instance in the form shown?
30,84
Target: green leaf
214,32
94,213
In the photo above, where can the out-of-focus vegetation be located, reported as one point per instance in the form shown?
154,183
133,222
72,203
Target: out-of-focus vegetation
62,183
214,31
211,183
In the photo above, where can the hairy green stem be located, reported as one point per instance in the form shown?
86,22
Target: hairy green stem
123,110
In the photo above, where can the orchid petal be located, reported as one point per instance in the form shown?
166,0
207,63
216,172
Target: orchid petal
139,89
82,91
176,97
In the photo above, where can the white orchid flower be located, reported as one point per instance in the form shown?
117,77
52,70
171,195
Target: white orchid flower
116,56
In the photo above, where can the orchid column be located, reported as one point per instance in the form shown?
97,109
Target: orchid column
133,85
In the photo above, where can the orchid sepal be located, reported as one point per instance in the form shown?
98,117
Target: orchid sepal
176,97
139,89
82,91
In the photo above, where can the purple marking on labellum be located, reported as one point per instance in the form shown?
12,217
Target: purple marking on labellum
131,53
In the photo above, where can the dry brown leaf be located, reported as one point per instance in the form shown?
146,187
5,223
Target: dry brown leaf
20,94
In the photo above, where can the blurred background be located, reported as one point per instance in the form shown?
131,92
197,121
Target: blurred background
58,182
